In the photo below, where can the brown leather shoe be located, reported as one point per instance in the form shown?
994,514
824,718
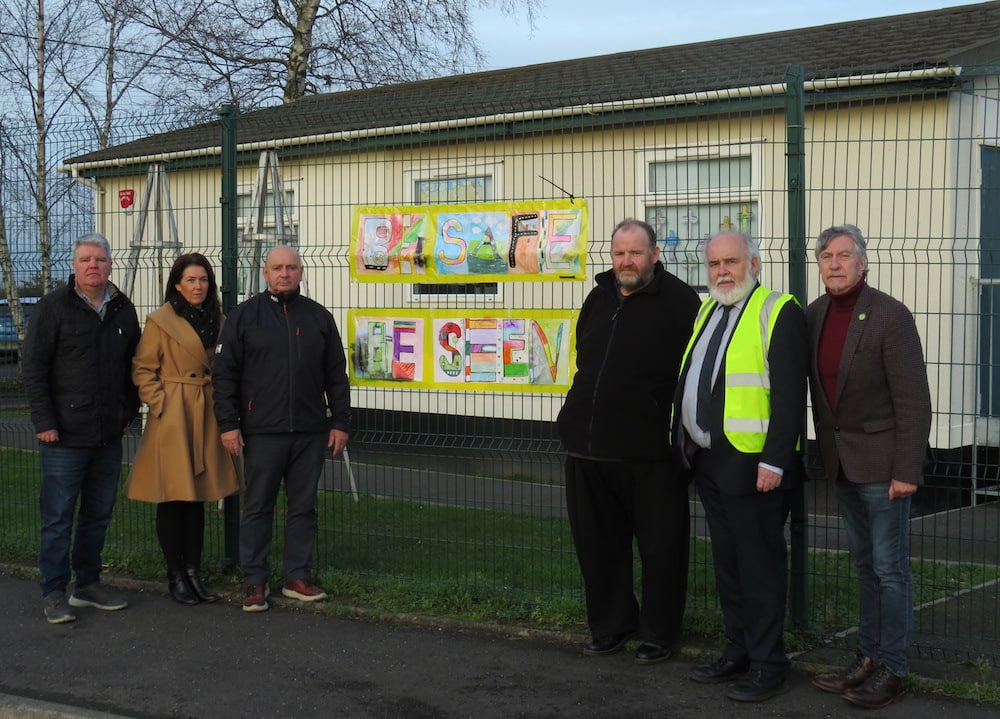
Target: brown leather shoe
854,676
881,690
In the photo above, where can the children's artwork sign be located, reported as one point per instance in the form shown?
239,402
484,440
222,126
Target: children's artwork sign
541,240
516,350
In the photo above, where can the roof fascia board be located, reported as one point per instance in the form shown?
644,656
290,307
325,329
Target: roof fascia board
697,99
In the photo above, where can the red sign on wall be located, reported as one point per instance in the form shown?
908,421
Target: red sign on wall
126,198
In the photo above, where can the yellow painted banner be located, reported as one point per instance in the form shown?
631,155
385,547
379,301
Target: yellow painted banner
543,240
513,350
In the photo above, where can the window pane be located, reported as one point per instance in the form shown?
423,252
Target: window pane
456,189
681,231
691,176
479,288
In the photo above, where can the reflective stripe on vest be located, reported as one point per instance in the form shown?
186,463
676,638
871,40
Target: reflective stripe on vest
747,400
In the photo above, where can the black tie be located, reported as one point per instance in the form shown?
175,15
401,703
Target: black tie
704,414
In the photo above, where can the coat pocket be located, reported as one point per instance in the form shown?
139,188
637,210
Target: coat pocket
879,425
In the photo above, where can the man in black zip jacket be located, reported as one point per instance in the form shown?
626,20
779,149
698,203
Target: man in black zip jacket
78,379
282,396
621,481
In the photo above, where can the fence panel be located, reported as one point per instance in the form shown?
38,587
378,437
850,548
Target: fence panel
456,497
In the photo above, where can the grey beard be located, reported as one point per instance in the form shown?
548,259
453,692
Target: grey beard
640,282
740,290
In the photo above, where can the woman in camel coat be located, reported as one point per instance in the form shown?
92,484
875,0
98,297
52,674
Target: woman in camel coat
181,463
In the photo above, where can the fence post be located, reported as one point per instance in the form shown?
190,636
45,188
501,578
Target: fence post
795,154
227,201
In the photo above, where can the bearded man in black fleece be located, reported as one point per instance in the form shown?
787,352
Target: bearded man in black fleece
621,479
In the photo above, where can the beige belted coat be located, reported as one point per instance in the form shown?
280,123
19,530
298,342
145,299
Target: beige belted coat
180,456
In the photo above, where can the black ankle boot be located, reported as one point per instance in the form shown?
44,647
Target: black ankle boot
180,590
198,586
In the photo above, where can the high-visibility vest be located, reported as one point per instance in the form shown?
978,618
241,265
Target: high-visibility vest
747,401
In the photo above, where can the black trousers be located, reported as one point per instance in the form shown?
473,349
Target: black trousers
270,460
609,504
749,554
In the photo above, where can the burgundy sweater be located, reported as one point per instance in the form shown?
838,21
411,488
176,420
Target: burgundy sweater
832,337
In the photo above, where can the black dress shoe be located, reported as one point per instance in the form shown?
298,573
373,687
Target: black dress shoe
607,644
651,653
721,670
198,586
758,686
180,590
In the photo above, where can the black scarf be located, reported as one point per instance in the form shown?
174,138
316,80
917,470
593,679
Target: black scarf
202,320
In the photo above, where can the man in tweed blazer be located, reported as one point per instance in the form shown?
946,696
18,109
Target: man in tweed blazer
872,408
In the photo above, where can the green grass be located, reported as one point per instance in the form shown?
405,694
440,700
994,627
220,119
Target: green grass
983,689
483,565
13,411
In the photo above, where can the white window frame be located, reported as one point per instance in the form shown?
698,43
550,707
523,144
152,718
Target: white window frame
453,171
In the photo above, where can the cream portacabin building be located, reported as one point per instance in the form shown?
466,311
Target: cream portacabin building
901,136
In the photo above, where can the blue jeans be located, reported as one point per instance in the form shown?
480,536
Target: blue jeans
878,535
89,475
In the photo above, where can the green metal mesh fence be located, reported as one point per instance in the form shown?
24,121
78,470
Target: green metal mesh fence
457,495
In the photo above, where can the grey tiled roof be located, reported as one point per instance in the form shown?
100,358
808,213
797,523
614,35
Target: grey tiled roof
963,35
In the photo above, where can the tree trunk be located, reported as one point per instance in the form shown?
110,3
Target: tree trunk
300,50
7,265
41,134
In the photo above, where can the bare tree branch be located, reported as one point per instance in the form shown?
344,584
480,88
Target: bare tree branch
261,51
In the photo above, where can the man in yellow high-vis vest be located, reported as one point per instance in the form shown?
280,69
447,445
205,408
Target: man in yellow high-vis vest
738,422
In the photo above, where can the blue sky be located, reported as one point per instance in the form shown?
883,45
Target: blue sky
567,29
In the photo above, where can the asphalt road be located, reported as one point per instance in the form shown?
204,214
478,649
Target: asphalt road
161,659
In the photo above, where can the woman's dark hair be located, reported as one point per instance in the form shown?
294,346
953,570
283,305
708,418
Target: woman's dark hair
177,271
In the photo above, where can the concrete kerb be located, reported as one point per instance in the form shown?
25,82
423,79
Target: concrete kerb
12,707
